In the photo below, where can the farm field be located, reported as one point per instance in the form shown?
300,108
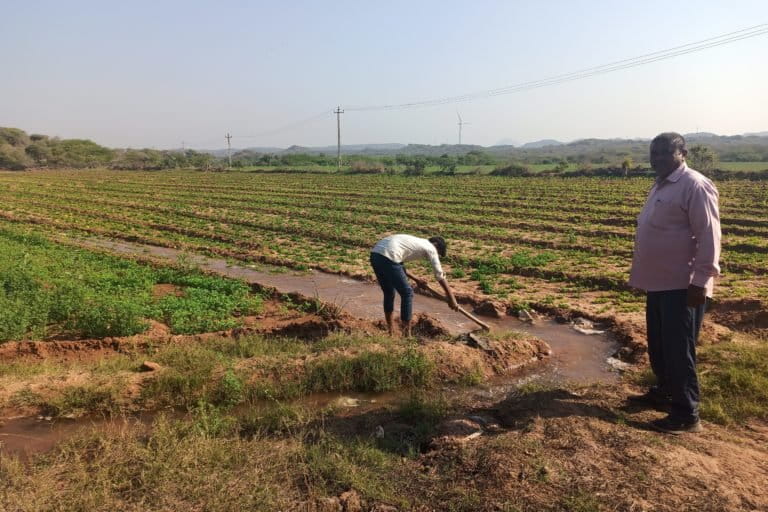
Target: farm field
743,166
555,243
249,399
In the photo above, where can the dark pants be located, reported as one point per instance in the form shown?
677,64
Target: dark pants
673,329
391,277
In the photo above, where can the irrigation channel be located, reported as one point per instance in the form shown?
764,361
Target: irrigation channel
576,358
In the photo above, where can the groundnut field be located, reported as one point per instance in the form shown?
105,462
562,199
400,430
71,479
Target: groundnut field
557,242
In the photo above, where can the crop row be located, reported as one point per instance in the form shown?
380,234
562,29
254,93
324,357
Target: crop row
544,228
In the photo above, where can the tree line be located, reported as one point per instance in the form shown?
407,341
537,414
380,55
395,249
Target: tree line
19,151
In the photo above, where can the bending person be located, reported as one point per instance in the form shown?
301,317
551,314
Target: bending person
387,259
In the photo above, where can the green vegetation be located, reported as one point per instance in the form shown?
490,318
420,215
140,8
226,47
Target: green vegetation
734,382
48,289
21,151
18,151
370,371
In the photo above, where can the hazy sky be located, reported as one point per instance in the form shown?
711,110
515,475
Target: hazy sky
154,74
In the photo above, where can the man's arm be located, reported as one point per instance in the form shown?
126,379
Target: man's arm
704,217
449,297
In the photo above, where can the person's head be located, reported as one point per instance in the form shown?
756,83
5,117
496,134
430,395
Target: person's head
439,244
668,152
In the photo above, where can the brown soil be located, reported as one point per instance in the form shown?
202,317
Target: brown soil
161,290
274,321
544,446
558,449
744,314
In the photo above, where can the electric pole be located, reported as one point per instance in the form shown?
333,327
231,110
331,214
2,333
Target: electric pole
338,113
229,149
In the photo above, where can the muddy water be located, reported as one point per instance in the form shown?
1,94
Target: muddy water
576,358
27,436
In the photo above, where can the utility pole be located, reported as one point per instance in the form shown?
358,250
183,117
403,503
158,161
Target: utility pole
338,113
229,149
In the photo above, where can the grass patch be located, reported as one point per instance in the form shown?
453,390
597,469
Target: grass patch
277,418
82,400
422,414
334,466
370,371
47,289
734,382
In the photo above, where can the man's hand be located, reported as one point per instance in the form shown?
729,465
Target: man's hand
452,303
696,296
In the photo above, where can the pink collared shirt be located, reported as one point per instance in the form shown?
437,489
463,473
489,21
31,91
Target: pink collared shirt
678,234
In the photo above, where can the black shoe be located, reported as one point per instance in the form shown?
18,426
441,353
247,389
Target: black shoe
670,425
654,397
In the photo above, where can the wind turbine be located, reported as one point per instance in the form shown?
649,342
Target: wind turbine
461,123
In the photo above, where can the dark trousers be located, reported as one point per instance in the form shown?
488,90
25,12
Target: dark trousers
673,329
391,277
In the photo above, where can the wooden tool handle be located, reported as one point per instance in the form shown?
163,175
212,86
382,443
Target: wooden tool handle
461,309
474,319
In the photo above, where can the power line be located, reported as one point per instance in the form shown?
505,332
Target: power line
648,58
296,124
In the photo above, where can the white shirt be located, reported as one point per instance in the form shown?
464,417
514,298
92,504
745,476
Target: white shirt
402,248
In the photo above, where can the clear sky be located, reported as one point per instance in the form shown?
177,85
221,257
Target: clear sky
154,74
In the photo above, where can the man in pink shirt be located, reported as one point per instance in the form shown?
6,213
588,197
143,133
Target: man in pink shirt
677,249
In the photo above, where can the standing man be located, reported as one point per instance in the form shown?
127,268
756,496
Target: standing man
387,258
677,248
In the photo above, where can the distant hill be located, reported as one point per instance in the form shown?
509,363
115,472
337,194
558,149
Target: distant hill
347,149
541,144
700,135
724,145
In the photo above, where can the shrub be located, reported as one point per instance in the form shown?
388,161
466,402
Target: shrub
511,170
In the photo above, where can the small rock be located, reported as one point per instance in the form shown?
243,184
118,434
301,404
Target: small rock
624,354
478,341
350,501
488,308
379,434
525,316
150,366
583,323
618,364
